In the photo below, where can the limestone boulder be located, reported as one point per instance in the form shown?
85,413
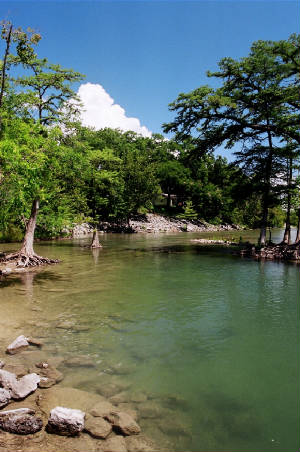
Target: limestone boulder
24,386
65,421
5,397
19,344
129,409
7,379
19,388
97,427
69,397
20,421
123,422
102,409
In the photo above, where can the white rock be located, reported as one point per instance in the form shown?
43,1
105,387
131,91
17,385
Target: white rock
65,421
7,379
25,386
5,397
17,411
19,344
19,388
20,421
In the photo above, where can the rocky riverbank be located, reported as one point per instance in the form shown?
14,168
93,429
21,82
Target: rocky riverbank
37,415
153,223
40,412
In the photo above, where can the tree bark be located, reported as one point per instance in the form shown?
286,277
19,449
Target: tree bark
169,199
287,232
27,246
95,241
3,72
266,194
298,229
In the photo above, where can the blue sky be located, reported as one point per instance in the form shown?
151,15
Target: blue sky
144,53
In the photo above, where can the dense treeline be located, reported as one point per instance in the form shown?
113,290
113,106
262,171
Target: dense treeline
54,171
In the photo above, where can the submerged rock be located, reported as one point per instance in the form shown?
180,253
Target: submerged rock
65,324
79,361
121,369
140,443
18,369
65,421
102,409
114,444
51,373
97,427
129,409
150,410
20,421
122,397
138,397
42,365
109,389
46,382
19,344
123,422
2,363
34,341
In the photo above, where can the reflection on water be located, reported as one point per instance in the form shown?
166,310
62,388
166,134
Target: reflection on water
202,344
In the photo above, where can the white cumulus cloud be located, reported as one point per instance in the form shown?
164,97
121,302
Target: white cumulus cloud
100,111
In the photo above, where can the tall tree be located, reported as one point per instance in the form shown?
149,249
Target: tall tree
255,107
23,42
49,90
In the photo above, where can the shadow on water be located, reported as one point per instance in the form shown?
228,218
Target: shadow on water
236,418
8,282
30,278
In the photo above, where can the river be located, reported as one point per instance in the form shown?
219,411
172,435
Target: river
211,339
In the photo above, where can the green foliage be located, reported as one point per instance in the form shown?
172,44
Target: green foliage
78,173
189,212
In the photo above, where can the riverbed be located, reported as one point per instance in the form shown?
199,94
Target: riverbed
210,339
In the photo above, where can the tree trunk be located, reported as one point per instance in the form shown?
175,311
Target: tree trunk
27,247
3,72
266,194
287,232
169,200
298,229
263,228
95,241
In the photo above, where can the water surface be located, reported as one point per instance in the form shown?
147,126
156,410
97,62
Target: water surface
210,338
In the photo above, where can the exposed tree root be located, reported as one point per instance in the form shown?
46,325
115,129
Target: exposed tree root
24,260
280,251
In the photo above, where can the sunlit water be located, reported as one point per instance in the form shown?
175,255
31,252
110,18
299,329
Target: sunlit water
210,338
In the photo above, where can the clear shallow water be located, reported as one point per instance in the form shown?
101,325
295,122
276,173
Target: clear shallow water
211,338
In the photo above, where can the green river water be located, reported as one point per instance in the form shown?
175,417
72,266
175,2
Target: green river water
212,339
